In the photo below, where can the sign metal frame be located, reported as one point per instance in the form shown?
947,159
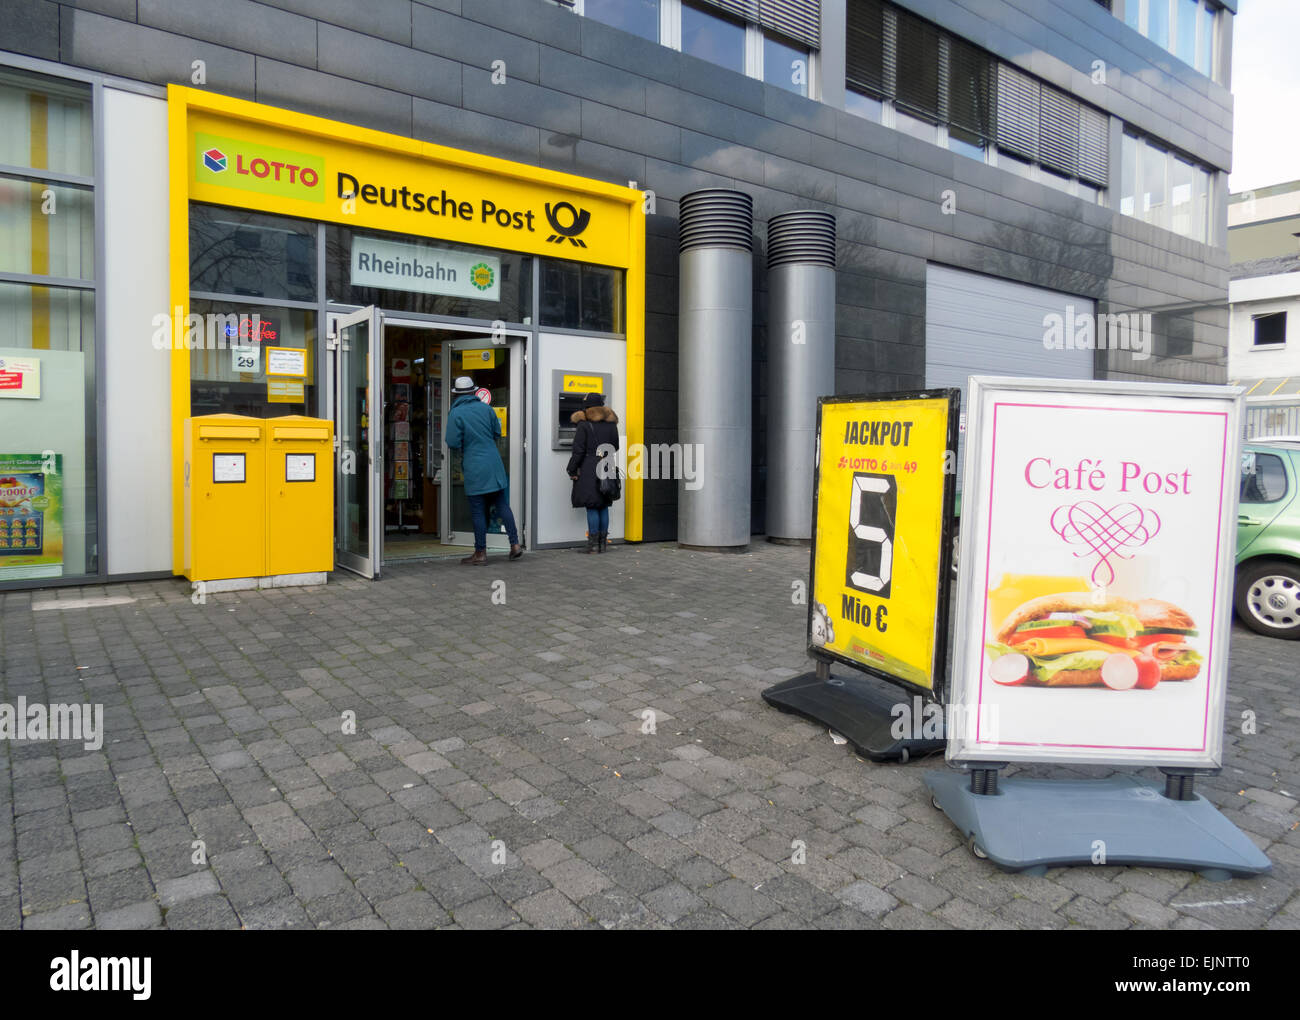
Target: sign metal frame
982,392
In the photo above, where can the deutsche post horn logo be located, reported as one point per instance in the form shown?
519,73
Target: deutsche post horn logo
577,223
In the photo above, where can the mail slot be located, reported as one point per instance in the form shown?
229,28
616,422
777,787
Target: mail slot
299,495
225,497
570,389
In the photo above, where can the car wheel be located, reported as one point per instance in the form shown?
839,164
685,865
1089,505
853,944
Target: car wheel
1268,598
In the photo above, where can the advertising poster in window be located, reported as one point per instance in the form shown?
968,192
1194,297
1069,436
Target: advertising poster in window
884,489
31,515
1096,584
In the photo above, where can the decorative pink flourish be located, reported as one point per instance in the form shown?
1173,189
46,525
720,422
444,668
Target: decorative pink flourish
1106,533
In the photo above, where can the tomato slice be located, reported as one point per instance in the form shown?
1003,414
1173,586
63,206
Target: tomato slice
1150,639
1113,639
1047,632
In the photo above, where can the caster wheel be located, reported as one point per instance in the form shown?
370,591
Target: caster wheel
976,849
934,803
904,755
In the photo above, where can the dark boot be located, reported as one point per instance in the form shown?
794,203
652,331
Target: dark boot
516,551
591,543
478,559
601,538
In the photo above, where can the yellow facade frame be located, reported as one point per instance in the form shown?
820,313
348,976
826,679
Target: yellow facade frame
183,102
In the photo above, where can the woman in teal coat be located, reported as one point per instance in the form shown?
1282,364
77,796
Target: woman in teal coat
473,428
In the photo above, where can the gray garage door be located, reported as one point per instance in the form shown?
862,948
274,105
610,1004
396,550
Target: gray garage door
980,325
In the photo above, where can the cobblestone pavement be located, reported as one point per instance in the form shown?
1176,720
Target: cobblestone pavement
499,776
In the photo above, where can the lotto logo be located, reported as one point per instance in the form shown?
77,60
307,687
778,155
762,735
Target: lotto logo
214,160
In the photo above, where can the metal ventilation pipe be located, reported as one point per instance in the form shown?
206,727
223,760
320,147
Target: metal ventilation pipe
800,362
715,355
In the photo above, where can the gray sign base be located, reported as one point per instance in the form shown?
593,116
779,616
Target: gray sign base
1031,825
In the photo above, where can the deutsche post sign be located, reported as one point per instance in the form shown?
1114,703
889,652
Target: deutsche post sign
289,167
883,496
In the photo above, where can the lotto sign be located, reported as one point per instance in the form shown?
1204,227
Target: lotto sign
1096,581
882,512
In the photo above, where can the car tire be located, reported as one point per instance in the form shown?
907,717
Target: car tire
1267,598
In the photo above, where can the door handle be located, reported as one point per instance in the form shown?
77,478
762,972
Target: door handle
1243,519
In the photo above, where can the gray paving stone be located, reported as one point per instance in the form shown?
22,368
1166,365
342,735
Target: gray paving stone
174,891
144,914
867,899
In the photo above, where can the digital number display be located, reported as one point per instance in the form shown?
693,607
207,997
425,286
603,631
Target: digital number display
873,507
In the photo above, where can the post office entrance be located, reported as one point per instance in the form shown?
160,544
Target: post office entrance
400,491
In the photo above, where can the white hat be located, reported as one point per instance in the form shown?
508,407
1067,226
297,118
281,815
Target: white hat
463,384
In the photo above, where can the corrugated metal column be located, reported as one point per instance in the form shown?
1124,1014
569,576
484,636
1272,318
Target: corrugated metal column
800,362
715,355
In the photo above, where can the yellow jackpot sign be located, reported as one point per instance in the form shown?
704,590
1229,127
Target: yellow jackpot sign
886,475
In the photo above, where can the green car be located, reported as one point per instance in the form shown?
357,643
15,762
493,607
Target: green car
1267,594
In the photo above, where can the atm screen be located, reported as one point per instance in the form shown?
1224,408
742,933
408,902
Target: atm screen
567,404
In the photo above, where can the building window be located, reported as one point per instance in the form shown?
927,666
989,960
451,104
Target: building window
785,65
1183,27
574,295
712,37
773,40
1164,189
1270,329
228,371
49,463
640,17
237,251
906,73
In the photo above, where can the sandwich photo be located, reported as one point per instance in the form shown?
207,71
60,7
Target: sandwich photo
1164,634
1071,639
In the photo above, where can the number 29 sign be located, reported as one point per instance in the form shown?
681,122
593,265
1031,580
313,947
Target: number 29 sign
882,513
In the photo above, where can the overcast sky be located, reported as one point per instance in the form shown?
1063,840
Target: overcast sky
1266,84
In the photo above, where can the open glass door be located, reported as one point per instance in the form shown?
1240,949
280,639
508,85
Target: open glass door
497,371
356,345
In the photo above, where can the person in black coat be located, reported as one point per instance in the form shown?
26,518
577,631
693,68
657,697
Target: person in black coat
596,426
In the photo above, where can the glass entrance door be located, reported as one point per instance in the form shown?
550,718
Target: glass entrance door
497,371
356,347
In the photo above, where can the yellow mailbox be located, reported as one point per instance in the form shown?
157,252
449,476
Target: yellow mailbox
299,495
225,497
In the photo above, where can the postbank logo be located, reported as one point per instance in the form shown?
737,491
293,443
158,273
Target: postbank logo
261,168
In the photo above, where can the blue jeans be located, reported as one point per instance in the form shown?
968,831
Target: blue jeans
597,521
478,514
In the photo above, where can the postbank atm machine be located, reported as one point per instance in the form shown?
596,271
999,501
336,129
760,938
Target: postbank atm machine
569,368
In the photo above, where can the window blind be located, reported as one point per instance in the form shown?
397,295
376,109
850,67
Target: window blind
969,89
916,88
794,19
1017,115
864,52
1058,131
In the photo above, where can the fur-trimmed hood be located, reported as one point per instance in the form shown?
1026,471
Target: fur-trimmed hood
597,413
